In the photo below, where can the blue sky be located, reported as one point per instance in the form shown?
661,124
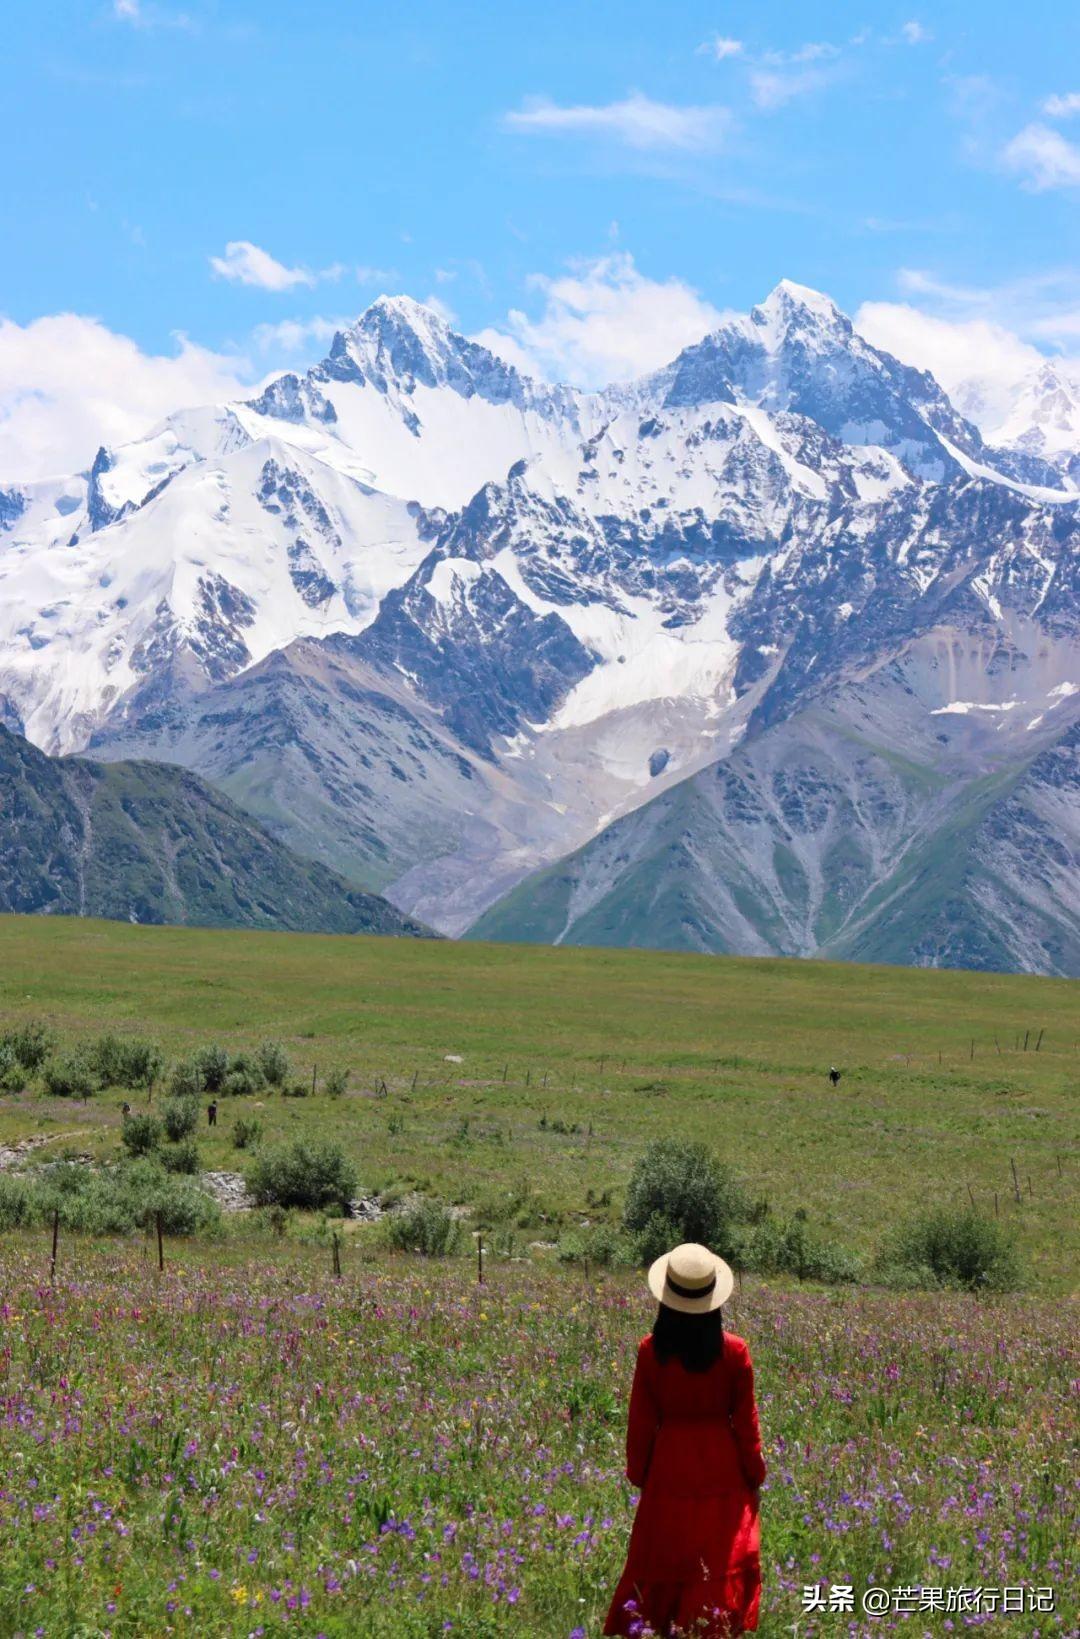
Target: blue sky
593,182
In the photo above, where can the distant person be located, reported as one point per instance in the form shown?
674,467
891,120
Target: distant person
834,1074
125,1109
211,1113
693,1448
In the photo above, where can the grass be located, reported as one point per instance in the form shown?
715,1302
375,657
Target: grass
937,1096
246,1445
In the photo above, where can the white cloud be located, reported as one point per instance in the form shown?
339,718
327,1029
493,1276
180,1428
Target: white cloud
1062,106
603,321
637,121
784,75
245,264
721,47
289,337
980,343
143,16
1043,159
69,384
914,33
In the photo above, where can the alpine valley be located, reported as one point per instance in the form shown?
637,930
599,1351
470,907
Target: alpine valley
770,652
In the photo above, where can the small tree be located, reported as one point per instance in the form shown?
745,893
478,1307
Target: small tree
246,1134
70,1077
31,1044
335,1082
180,1117
182,1157
211,1064
141,1134
679,1186
273,1061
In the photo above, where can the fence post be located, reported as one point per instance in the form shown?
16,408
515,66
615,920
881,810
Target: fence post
160,1245
55,1239
480,1258
335,1246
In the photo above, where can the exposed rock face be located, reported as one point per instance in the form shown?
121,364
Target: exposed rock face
736,642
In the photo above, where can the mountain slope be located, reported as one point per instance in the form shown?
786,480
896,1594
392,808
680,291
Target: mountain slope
142,842
855,828
437,625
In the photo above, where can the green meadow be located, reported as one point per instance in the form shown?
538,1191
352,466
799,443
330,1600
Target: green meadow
479,1072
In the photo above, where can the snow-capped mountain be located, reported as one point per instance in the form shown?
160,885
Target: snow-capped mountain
439,625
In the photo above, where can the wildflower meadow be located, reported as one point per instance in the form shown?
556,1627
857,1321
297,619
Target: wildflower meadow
248,1445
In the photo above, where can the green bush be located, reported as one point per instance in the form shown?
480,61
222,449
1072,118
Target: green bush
303,1174
180,1157
789,1248
295,1089
16,1203
31,1044
180,1117
70,1077
246,1134
244,1077
117,1200
273,1062
602,1247
141,1134
13,1077
335,1082
211,1065
657,1236
950,1247
681,1182
130,1062
427,1227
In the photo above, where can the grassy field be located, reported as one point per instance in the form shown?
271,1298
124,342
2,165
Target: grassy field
458,1053
246,1446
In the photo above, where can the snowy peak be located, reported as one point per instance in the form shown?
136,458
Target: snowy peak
796,310
1045,413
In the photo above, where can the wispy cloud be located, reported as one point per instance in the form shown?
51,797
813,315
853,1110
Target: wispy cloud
779,77
138,14
246,264
292,336
721,46
914,33
1043,159
636,122
1062,106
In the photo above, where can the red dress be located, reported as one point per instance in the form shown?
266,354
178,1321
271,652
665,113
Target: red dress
693,1447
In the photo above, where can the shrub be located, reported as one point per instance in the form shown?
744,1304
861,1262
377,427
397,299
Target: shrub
180,1117
13,1077
246,1134
16,1203
335,1082
185,1079
181,1157
952,1248
70,1077
601,1248
295,1089
117,1200
126,1062
427,1227
211,1064
243,1077
141,1134
273,1062
681,1182
789,1248
31,1044
302,1174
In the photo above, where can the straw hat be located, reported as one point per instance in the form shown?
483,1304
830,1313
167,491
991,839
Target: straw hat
691,1279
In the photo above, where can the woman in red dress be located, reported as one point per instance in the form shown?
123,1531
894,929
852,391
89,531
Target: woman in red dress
693,1448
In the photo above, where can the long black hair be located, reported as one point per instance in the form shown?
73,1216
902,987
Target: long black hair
695,1340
